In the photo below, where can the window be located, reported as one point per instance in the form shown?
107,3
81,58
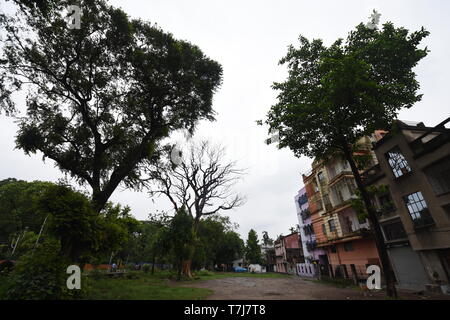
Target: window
398,162
333,249
348,246
324,229
302,199
439,176
332,225
418,209
394,231
320,176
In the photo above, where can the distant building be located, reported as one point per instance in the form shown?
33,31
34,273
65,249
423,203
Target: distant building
268,254
288,252
413,202
309,268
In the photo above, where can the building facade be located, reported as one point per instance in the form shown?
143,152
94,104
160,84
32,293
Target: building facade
308,238
288,253
411,191
339,231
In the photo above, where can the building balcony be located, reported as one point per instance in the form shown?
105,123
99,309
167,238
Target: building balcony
339,175
361,232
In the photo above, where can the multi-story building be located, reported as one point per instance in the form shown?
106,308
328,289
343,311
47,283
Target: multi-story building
268,254
288,253
308,238
411,190
339,231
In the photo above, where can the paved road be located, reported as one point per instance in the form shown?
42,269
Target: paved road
289,288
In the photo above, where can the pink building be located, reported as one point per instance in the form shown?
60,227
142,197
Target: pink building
288,252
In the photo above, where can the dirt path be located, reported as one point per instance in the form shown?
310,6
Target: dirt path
289,288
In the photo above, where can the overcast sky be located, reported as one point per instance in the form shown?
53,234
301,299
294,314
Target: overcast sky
248,38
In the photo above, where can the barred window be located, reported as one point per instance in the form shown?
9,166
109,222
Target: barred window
394,231
398,162
418,209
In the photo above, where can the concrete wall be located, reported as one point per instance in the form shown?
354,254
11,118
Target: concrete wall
364,252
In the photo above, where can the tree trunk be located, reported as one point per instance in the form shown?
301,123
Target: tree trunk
153,263
180,269
186,268
188,262
375,226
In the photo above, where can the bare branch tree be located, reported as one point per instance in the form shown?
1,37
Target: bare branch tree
201,182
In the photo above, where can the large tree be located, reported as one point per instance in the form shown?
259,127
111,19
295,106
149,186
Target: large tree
337,94
201,182
102,97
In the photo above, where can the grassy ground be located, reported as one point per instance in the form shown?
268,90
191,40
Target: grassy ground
144,286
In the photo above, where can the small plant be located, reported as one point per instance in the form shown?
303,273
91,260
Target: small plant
6,267
41,275
203,273
97,274
146,268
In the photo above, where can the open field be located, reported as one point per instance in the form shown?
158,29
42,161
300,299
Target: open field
144,286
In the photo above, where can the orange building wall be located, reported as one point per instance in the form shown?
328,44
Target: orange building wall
364,249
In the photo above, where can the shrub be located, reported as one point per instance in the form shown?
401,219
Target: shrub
97,274
204,273
41,275
6,267
146,268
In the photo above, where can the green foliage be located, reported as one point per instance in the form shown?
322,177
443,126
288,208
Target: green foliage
19,212
146,268
266,239
358,203
6,267
71,219
203,273
143,287
253,249
335,95
103,97
180,236
41,275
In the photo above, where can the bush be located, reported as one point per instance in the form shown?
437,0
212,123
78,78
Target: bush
41,275
204,273
6,267
97,274
146,268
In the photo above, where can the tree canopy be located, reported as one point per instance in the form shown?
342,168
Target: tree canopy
337,94
101,98
253,248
